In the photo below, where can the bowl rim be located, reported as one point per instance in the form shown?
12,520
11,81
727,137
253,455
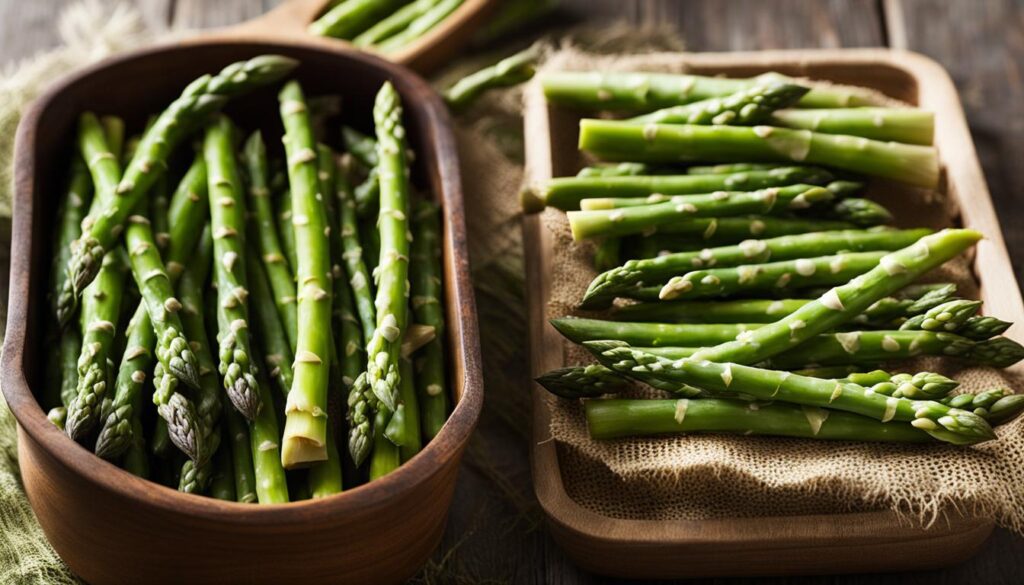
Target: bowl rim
32,421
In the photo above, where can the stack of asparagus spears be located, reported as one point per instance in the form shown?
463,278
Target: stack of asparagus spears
271,258
745,275
384,25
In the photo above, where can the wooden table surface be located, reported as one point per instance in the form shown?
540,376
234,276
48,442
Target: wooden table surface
496,532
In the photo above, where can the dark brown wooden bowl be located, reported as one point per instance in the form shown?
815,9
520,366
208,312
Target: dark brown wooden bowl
112,527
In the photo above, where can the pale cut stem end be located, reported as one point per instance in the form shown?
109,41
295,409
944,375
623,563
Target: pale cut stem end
305,440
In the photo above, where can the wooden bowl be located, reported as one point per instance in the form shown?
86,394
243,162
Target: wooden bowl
290,20
112,527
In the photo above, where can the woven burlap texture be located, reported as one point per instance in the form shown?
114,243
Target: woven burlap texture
717,476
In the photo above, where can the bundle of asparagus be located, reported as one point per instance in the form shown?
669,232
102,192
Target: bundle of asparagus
754,285
300,326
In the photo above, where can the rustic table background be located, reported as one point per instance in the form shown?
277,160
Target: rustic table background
495,533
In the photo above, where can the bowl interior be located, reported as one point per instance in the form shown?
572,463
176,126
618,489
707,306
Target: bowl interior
143,83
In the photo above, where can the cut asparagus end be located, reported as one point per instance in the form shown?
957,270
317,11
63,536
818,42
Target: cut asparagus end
305,440
597,203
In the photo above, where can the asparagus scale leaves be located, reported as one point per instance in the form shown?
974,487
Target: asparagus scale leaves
201,98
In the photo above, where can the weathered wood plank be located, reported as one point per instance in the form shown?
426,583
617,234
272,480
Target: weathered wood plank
27,27
981,43
206,14
710,25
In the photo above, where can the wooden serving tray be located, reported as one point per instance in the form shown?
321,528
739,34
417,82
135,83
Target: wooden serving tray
812,544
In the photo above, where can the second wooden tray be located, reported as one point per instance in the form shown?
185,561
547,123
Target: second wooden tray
812,544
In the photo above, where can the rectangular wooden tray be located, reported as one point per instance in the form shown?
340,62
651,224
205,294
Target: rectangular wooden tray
812,544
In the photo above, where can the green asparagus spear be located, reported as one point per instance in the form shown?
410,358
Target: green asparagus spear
997,405
947,424
202,97
421,26
604,218
188,213
386,456
727,168
906,302
610,140
355,267
360,146
196,476
222,480
579,330
425,276
412,441
649,91
784,274
305,431
172,347
393,24
877,346
348,18
282,281
158,214
909,125
606,254
265,438
362,432
746,107
626,169
658,270
325,476
227,218
733,230
392,277
286,230
717,311
588,381
858,211
241,457
565,193
511,70
269,327
101,306
615,418
136,460
842,303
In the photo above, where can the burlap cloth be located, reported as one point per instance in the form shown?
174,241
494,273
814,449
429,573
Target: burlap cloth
714,476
